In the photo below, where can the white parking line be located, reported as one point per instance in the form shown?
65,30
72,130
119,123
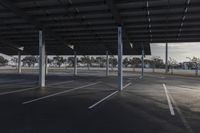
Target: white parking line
169,101
59,93
32,88
92,106
21,90
186,124
127,85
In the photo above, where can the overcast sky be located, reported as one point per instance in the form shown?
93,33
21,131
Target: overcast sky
177,51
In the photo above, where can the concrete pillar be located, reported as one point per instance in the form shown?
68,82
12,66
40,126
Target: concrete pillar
19,62
120,54
142,74
166,58
46,64
75,64
42,59
107,63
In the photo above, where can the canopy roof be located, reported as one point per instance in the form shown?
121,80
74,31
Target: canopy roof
92,24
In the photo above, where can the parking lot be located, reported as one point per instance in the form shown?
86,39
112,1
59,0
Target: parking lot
91,102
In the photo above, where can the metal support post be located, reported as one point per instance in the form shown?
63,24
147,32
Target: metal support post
42,59
120,54
166,58
107,63
142,74
19,62
75,64
46,64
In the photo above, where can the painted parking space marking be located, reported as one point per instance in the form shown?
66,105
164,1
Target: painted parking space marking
185,122
102,100
127,85
169,101
59,93
16,91
31,88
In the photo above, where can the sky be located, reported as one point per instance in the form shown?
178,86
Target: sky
177,51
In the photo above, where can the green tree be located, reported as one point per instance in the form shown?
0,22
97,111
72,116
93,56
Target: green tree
14,60
71,61
194,62
50,61
93,60
59,60
172,63
126,62
86,60
3,61
135,62
158,62
149,62
29,60
101,61
113,61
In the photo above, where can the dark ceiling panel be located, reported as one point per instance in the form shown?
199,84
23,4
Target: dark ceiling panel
91,25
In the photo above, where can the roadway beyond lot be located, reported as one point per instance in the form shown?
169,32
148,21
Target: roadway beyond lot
91,103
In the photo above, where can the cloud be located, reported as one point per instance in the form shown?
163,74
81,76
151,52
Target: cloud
178,51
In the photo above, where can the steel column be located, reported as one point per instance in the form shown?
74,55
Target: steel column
19,63
142,74
46,64
120,54
42,59
75,64
107,63
166,58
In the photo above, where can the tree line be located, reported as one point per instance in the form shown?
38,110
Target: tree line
100,61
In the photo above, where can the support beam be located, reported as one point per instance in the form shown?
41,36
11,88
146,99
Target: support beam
107,64
120,54
166,58
142,74
46,64
33,20
42,60
19,62
117,17
75,64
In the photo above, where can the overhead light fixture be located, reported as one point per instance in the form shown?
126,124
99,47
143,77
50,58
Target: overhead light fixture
71,46
131,44
21,48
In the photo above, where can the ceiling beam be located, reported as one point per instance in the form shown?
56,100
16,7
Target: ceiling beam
117,17
7,43
20,13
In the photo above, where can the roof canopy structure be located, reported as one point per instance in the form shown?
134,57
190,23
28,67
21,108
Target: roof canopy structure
92,24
